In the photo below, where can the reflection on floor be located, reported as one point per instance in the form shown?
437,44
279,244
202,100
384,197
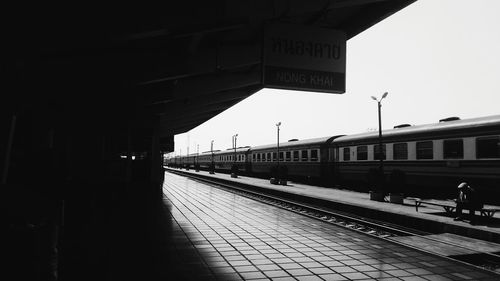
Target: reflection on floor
227,237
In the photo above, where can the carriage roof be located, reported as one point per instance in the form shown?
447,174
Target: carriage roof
454,128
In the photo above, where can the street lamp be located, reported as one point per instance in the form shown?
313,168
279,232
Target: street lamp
187,158
380,150
212,167
278,146
234,146
196,165
234,169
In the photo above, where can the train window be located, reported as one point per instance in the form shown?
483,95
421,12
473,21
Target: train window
400,151
346,151
362,152
274,156
314,155
424,150
304,155
296,155
281,156
288,156
453,149
488,147
258,157
376,152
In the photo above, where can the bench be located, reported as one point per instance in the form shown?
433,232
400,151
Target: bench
488,212
450,206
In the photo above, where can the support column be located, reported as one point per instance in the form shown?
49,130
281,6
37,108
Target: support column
9,149
156,176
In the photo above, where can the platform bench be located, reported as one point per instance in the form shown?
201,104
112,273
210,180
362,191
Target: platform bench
450,207
488,212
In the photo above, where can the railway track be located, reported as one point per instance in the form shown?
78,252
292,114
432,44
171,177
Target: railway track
379,229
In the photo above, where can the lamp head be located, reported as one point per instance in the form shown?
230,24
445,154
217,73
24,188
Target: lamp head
385,95
374,98
278,124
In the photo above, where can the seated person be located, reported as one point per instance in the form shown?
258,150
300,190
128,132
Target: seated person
467,199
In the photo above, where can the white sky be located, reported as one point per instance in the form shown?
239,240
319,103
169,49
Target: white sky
435,58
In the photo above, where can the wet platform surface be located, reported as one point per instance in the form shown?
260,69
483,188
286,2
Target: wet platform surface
430,216
222,236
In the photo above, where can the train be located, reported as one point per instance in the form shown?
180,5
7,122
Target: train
424,160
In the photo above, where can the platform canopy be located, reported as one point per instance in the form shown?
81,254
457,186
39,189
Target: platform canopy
180,63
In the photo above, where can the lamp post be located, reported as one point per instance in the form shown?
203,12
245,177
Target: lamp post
234,146
278,146
234,169
196,165
380,150
187,159
212,167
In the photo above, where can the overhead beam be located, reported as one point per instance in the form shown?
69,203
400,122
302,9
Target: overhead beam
179,106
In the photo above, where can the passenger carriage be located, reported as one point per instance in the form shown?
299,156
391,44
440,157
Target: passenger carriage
433,156
304,159
225,159
205,159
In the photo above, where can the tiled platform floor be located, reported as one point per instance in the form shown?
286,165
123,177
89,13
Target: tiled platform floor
222,236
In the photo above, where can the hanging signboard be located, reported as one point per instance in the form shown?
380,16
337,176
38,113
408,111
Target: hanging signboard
304,58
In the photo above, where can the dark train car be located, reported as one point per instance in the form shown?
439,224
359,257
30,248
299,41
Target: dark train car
309,159
225,159
189,161
205,159
432,158
174,162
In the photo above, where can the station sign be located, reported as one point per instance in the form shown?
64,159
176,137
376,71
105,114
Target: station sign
304,58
